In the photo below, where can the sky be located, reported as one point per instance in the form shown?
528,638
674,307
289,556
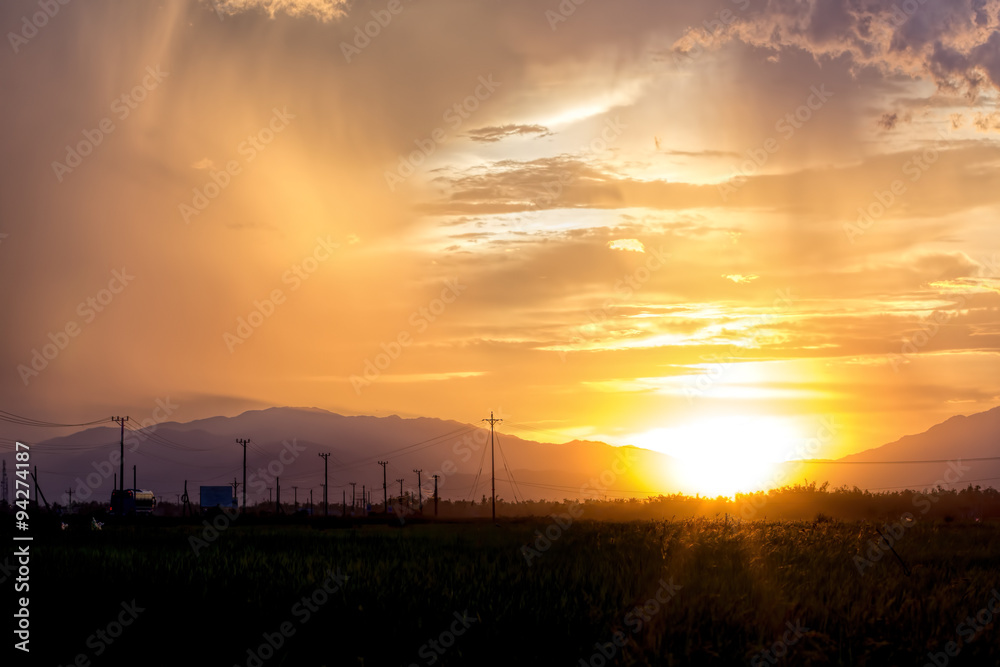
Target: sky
667,224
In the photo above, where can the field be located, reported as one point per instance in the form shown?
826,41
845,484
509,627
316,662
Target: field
693,592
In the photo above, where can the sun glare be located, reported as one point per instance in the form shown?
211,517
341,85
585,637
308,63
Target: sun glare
720,456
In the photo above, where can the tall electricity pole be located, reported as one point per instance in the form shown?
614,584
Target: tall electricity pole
493,470
353,493
436,494
385,493
244,442
326,462
400,480
277,496
121,466
295,494
420,496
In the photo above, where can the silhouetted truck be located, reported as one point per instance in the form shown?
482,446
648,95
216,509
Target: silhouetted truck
132,501
217,498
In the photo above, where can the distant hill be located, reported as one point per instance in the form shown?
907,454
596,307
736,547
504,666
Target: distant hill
959,438
285,443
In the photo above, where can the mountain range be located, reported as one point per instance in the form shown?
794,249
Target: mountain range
285,444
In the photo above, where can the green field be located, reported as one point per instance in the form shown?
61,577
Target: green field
729,590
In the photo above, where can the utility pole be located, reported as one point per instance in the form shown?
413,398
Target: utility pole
310,502
244,442
354,494
364,499
295,493
326,461
385,496
400,480
121,465
269,489
436,494
277,496
134,486
420,495
493,470
236,488
70,491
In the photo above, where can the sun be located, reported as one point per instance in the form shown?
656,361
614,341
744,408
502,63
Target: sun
721,456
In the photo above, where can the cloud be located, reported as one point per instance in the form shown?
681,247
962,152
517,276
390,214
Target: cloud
955,44
322,10
632,245
888,121
500,132
741,279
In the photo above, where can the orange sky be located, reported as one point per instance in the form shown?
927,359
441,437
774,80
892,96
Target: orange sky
622,223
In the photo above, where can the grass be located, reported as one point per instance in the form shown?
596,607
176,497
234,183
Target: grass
739,586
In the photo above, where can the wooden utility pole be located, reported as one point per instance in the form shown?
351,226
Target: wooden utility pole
326,461
121,465
493,470
295,494
420,496
244,442
353,492
400,480
436,494
385,492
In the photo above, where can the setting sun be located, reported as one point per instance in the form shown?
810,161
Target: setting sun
724,455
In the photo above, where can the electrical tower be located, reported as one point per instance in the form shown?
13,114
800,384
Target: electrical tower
121,466
244,442
493,470
326,506
385,493
420,496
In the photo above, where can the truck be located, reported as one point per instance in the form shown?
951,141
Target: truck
132,501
